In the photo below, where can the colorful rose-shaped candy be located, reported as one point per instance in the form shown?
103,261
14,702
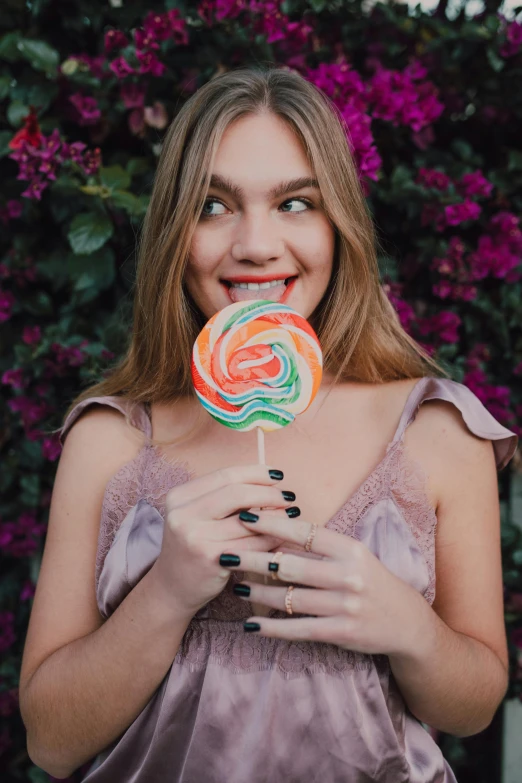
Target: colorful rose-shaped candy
256,363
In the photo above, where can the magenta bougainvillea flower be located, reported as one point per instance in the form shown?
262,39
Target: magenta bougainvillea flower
431,178
513,42
87,108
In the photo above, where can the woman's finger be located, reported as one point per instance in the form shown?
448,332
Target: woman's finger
330,630
298,531
194,489
318,603
255,544
294,569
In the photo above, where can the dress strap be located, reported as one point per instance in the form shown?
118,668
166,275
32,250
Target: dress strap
135,413
475,415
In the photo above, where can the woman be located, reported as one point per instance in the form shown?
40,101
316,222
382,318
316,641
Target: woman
160,633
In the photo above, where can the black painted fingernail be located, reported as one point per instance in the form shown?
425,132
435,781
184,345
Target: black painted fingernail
273,566
276,474
241,589
293,511
246,516
251,627
289,495
229,560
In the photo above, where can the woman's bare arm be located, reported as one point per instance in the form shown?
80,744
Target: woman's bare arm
456,677
86,694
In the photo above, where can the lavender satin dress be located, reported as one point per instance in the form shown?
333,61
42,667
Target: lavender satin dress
238,708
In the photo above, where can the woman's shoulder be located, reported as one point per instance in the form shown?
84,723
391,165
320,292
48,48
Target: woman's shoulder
456,418
134,414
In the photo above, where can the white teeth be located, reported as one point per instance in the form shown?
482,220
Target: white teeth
257,286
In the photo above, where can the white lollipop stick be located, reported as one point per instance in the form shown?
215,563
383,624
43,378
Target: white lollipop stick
260,446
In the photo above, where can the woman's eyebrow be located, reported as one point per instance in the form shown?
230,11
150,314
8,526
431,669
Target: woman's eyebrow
222,183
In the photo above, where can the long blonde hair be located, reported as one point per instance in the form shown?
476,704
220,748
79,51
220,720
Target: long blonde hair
360,333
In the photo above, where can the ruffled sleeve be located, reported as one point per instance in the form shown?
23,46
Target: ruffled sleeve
475,415
135,414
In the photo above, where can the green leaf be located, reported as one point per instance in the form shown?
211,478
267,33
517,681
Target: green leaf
5,138
318,5
30,484
129,202
515,160
400,177
509,535
5,84
517,557
496,62
115,177
37,775
32,90
138,166
38,303
462,149
17,112
40,55
96,270
9,47
89,231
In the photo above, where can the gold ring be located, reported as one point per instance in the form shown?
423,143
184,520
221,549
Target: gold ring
313,531
288,599
275,559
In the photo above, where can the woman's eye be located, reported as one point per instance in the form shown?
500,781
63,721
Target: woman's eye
302,201
209,203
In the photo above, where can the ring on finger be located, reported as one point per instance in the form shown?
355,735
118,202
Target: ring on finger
288,599
309,540
276,557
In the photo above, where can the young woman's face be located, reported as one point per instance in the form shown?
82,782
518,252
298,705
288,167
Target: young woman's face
263,233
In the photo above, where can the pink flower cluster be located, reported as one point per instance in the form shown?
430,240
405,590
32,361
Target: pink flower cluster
443,326
399,98
471,185
88,112
7,301
404,98
348,91
156,28
217,10
498,254
404,310
11,211
23,537
513,42
455,284
497,399
276,26
40,164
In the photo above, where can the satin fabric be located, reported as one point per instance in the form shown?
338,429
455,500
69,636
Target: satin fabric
213,724
237,707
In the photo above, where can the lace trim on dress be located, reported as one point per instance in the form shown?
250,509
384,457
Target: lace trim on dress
225,644
149,475
211,634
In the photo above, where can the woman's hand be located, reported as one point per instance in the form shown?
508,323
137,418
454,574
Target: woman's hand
201,522
358,603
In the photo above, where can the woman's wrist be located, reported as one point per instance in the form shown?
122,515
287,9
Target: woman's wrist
165,601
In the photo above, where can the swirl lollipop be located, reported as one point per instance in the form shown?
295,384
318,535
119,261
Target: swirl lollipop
256,364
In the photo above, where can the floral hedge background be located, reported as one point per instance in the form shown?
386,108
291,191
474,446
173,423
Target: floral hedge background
434,109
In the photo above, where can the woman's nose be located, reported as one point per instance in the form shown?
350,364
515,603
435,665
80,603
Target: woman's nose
257,239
